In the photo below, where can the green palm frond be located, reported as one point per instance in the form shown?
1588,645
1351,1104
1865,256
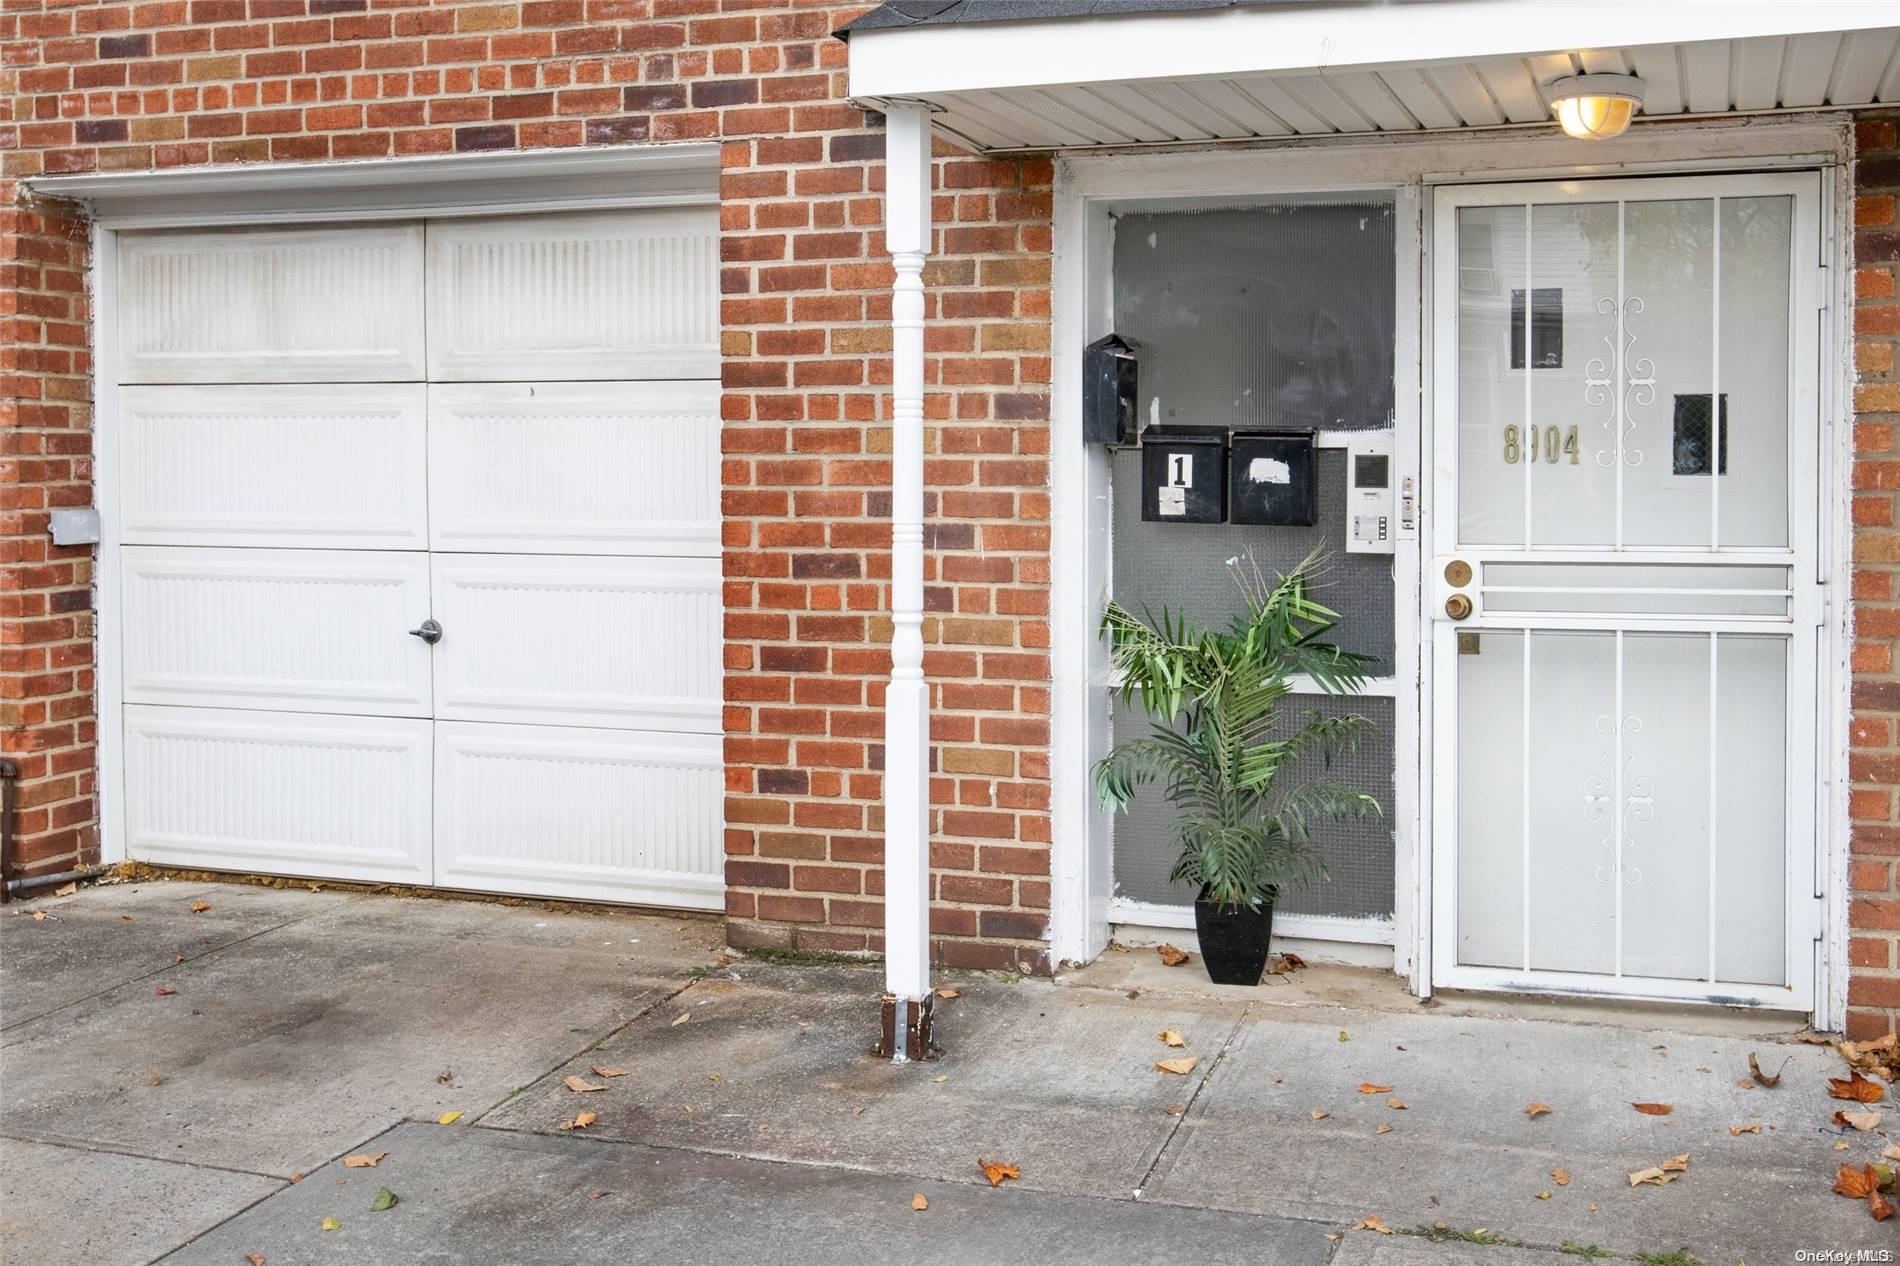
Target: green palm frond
1220,736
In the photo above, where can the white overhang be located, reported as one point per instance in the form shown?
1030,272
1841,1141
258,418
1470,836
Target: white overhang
1362,66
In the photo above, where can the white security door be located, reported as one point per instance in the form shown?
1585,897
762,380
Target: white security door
1625,588
507,426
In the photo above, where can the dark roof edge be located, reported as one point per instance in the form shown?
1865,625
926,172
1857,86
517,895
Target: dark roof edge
899,14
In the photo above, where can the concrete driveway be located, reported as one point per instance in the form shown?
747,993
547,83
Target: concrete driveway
185,1086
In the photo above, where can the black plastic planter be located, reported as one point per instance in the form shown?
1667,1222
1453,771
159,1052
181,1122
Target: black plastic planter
1234,940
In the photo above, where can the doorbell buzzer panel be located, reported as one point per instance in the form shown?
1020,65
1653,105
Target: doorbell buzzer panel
1184,478
1371,514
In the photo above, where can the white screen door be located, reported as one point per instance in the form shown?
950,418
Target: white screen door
1624,590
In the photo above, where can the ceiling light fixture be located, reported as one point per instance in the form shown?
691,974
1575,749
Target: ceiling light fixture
1595,107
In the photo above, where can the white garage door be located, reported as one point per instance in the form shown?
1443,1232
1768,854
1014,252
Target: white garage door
508,426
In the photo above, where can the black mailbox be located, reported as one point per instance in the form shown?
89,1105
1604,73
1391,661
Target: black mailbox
1108,392
1183,478
1272,478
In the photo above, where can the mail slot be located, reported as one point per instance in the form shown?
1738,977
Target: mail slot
1271,478
1183,478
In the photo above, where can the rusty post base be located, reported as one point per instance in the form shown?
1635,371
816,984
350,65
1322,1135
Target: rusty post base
909,1040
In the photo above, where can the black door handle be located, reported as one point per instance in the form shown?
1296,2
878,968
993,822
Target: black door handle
430,632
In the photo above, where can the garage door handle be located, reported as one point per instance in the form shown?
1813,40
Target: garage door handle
430,632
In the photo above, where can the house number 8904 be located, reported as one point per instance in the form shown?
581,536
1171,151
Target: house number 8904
1525,443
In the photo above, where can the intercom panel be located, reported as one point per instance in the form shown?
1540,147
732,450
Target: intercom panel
1372,524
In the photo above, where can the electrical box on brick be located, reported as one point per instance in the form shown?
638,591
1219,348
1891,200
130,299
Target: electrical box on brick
1272,478
1184,478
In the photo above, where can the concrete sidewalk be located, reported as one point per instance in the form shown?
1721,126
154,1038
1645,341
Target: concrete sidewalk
208,1123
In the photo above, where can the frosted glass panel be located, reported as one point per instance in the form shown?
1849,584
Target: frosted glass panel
1756,234
1620,795
1566,457
1669,333
1491,253
1751,850
1491,800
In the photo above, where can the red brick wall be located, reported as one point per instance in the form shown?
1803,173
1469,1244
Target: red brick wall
1873,993
46,678
169,83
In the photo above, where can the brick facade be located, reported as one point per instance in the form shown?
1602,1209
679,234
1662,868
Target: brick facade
1874,867
126,86
175,83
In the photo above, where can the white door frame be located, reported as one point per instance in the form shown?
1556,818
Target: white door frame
1807,610
1087,184
437,187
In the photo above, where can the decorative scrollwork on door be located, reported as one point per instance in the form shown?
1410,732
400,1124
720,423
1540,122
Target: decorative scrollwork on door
1638,387
1639,800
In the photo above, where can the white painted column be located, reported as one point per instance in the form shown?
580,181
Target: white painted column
907,702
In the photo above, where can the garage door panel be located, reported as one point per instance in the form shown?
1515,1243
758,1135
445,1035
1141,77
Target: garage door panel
340,304
592,295
577,468
336,466
302,630
598,815
340,797
628,643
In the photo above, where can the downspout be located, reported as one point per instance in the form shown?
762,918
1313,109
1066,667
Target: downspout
9,775
906,1021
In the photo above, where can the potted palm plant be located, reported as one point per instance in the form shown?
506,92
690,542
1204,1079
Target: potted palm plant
1220,742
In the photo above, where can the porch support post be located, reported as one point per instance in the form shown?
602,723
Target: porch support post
906,1021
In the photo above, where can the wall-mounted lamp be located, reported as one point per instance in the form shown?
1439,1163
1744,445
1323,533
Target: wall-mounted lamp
1595,107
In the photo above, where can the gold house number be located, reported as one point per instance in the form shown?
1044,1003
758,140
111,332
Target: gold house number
1555,444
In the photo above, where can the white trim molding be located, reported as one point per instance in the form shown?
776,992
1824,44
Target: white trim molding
384,188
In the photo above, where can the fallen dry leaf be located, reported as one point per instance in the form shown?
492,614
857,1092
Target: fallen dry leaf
1676,1164
199,907
448,1118
39,916
330,1224
1371,1222
1384,1128
1655,1175
155,1077
1172,1037
997,1171
1753,1127
1367,1088
949,993
1862,1121
1762,1078
128,918
1170,956
363,1160
580,1121
918,1202
681,1018
1179,1067
1344,1036
1316,1114
1654,1109
1840,1147
1856,1182
1536,1110
255,1259
1175,1109
1544,1194
1891,1152
579,1085
1814,1039
1857,1088
163,992
446,1076
1880,1207
595,1195
1561,1177
1396,1103
599,1071
940,1078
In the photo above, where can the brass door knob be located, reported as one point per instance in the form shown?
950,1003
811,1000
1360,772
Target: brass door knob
1457,573
1458,606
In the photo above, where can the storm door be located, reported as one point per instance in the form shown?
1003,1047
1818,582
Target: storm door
1623,589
